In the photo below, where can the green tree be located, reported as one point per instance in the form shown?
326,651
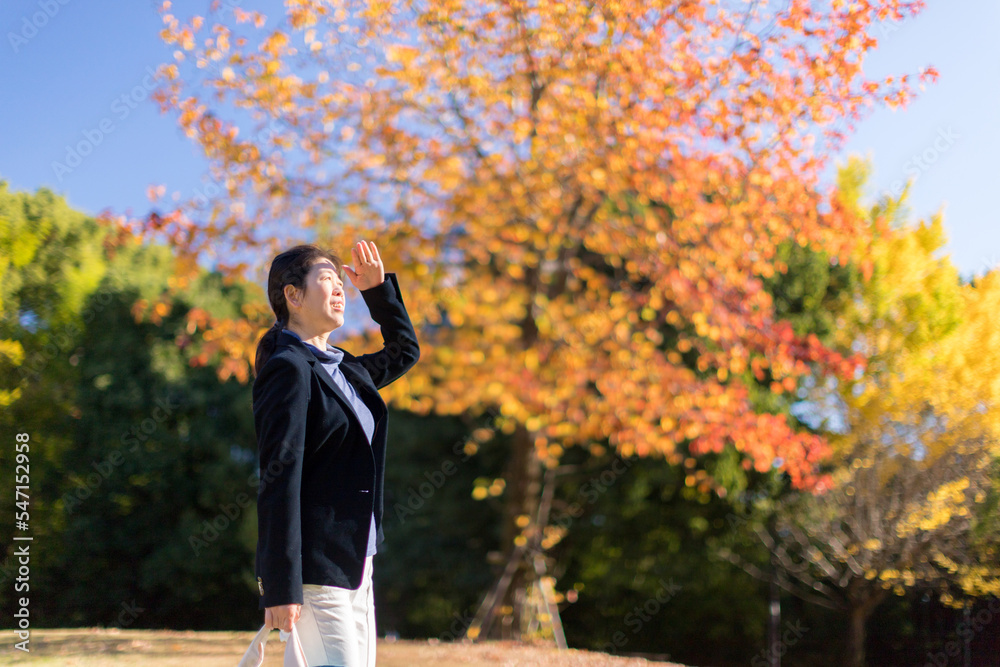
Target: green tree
142,461
160,485
911,493
51,261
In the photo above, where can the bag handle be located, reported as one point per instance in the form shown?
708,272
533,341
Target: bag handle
294,655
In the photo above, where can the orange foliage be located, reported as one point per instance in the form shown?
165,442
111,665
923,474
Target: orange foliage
580,199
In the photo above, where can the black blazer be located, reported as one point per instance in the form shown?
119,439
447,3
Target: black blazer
320,481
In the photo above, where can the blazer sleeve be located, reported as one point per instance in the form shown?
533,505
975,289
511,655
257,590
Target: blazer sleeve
280,406
399,350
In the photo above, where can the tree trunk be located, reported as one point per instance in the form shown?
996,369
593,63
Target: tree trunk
855,649
524,484
858,614
508,610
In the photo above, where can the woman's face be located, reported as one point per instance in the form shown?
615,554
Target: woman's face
321,306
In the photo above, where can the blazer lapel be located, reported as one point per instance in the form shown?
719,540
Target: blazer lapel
325,377
375,405
365,389
350,373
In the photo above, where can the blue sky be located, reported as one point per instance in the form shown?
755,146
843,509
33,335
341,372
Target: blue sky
84,74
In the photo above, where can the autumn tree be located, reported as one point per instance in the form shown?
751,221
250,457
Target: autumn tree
581,200
916,456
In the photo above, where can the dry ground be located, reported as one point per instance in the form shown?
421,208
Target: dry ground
93,647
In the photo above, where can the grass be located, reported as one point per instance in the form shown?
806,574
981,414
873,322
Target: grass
94,647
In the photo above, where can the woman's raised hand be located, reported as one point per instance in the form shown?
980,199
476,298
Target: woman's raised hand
368,271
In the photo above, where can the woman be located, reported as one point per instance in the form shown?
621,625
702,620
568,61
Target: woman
321,437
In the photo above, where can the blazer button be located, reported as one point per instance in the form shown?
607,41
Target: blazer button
364,491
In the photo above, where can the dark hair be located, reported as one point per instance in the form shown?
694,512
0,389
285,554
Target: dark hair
288,268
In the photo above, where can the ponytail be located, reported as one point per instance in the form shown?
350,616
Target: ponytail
266,345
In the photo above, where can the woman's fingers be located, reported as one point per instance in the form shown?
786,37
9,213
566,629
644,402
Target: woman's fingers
367,265
368,252
282,617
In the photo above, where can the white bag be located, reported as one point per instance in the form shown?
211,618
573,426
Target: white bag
294,655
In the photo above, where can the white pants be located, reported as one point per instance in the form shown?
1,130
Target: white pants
337,625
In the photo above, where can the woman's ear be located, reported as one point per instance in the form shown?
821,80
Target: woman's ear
292,296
